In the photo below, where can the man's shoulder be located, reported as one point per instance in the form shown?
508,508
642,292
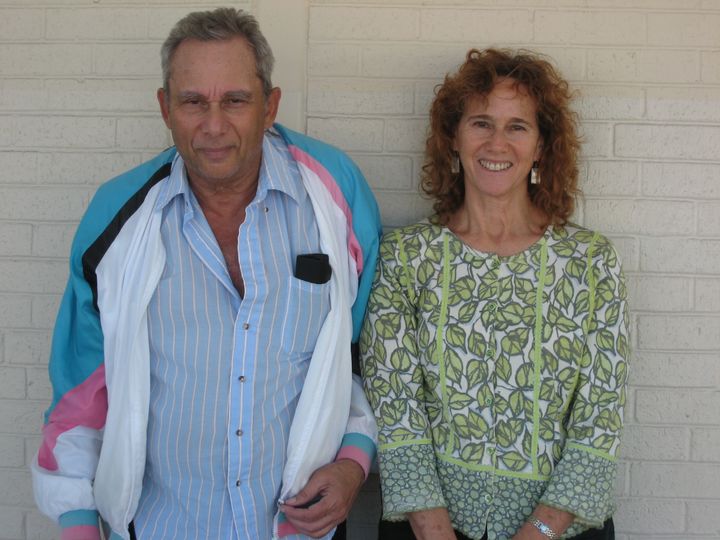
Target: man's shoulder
119,193
313,152
126,184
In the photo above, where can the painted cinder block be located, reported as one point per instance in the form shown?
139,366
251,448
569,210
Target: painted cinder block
142,133
12,382
589,27
681,255
684,104
704,517
614,102
44,203
52,239
393,172
111,95
689,407
683,29
705,443
499,26
708,219
80,168
357,96
350,134
406,134
64,132
30,276
655,443
21,24
127,59
689,333
97,23
30,347
45,59
16,310
38,383
707,294
640,216
659,293
333,60
44,310
12,522
15,238
643,65
681,180
674,369
611,178
641,515
667,141
377,23
675,480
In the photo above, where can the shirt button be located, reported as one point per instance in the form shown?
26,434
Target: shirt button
491,306
241,378
488,401
239,432
237,483
488,498
246,326
266,209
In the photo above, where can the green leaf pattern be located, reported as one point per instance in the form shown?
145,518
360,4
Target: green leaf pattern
481,385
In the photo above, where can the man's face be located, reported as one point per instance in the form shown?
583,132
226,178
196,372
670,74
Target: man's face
216,111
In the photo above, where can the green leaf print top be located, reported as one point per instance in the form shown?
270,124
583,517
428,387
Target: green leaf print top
498,382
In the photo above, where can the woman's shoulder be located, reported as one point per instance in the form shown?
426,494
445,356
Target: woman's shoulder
424,232
573,239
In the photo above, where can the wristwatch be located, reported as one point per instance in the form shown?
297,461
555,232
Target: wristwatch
544,528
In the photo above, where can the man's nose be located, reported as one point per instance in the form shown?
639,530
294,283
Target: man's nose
214,122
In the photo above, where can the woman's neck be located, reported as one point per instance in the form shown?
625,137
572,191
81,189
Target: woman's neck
498,227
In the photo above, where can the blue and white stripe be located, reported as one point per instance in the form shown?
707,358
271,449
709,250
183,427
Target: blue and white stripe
226,372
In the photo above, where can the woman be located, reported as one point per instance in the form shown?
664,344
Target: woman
495,346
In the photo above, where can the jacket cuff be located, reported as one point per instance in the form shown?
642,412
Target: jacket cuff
359,448
80,525
409,480
583,483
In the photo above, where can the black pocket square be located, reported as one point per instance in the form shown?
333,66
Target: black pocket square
313,268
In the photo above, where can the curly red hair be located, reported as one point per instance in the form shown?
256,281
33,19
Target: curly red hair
558,165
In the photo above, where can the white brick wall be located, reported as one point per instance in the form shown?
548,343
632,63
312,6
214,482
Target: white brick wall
77,106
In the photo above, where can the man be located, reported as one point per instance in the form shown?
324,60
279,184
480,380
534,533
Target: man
201,356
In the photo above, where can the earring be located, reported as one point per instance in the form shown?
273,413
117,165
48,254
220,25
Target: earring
455,164
534,174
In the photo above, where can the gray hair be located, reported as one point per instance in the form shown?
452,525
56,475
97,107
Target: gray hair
219,25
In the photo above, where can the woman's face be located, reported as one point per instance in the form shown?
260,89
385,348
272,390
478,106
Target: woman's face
498,139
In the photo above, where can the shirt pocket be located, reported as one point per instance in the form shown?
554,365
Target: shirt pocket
308,306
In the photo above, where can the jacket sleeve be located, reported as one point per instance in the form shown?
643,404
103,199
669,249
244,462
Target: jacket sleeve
64,467
360,438
394,385
583,480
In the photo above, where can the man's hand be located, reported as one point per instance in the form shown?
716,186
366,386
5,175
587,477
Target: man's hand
336,485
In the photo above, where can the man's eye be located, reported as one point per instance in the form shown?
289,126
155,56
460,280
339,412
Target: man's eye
234,102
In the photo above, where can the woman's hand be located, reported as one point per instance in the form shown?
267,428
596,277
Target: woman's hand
557,520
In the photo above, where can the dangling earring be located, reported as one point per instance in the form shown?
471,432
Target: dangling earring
534,174
455,164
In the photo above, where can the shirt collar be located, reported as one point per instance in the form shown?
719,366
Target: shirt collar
278,172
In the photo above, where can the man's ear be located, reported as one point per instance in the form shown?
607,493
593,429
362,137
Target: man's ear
164,102
272,104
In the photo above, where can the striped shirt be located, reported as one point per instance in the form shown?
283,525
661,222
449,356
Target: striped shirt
226,371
